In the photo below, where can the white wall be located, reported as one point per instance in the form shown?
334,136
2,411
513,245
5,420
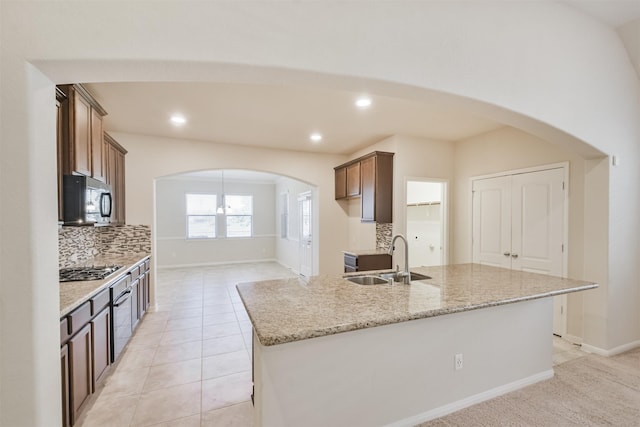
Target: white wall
174,249
573,85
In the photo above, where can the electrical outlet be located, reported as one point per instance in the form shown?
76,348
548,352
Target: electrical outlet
458,361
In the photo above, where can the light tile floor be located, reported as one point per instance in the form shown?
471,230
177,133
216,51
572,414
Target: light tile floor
189,361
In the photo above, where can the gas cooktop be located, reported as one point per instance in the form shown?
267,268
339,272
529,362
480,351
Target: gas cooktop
95,272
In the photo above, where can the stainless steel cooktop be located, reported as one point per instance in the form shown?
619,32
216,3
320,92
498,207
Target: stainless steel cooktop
95,272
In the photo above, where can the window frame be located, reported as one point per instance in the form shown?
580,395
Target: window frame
227,216
212,215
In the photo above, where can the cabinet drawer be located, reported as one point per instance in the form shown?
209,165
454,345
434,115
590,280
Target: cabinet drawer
99,302
349,269
135,272
351,261
64,331
79,317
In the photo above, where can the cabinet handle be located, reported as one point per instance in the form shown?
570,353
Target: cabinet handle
514,255
507,254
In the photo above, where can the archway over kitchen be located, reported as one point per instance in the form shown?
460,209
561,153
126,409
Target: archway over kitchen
228,216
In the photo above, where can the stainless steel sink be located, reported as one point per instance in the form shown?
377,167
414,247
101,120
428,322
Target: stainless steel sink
368,280
397,276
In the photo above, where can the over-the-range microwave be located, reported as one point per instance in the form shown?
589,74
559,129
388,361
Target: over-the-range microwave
87,201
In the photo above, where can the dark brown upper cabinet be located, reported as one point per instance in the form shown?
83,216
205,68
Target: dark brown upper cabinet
369,177
83,149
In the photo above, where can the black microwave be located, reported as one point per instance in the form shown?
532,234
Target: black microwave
86,201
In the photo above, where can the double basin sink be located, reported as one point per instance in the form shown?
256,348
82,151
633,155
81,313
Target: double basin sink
384,278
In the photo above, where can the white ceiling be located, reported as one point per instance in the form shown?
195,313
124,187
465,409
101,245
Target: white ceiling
280,117
283,117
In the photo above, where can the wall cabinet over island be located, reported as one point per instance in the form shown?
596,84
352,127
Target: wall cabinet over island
370,178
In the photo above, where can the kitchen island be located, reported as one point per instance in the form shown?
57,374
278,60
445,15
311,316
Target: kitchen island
331,352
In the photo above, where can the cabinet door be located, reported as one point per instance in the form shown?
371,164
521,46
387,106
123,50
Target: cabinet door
64,370
60,154
80,370
98,159
101,345
368,177
147,291
341,183
141,295
134,304
81,159
353,180
119,187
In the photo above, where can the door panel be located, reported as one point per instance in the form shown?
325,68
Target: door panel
537,221
306,236
491,221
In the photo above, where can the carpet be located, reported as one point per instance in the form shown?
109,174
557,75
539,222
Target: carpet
589,391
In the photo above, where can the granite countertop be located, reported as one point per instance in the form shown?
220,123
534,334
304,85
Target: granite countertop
295,309
73,294
362,252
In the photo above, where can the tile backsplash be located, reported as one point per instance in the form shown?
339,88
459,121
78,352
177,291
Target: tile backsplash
79,244
384,233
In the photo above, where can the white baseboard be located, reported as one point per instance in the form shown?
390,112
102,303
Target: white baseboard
612,352
288,267
573,339
472,400
211,264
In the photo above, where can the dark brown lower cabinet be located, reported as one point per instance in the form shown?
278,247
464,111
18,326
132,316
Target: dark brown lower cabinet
142,295
80,370
135,288
100,331
64,368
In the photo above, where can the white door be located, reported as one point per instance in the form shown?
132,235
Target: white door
306,237
518,223
492,221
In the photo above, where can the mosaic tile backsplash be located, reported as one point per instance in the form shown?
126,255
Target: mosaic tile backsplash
384,233
78,244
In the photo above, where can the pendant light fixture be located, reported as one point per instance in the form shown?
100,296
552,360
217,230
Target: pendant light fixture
221,209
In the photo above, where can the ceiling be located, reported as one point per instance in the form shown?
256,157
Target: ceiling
283,117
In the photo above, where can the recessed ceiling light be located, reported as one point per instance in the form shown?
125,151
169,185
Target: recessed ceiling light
316,137
177,120
363,102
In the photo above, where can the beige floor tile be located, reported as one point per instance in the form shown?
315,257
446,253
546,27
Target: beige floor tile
221,330
124,383
219,318
151,327
222,345
187,312
171,374
225,364
184,305
184,323
192,421
133,359
240,415
217,308
109,413
225,391
145,341
181,335
177,352
168,404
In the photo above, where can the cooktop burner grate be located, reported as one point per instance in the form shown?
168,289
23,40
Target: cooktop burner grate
96,272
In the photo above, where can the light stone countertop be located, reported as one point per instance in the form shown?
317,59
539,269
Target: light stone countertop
73,294
295,309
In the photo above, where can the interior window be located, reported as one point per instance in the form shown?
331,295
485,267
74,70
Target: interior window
239,214
201,216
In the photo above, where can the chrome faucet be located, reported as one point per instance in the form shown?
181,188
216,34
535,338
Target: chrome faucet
406,276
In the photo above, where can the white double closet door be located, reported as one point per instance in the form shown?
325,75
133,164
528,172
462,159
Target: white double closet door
519,223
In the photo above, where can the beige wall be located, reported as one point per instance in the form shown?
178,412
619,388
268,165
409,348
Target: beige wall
163,157
508,149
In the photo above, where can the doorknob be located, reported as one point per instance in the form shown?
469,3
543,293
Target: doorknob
507,254
514,255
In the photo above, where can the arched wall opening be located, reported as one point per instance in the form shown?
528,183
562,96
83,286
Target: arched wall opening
197,224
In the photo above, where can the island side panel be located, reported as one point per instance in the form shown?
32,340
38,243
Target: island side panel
403,373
